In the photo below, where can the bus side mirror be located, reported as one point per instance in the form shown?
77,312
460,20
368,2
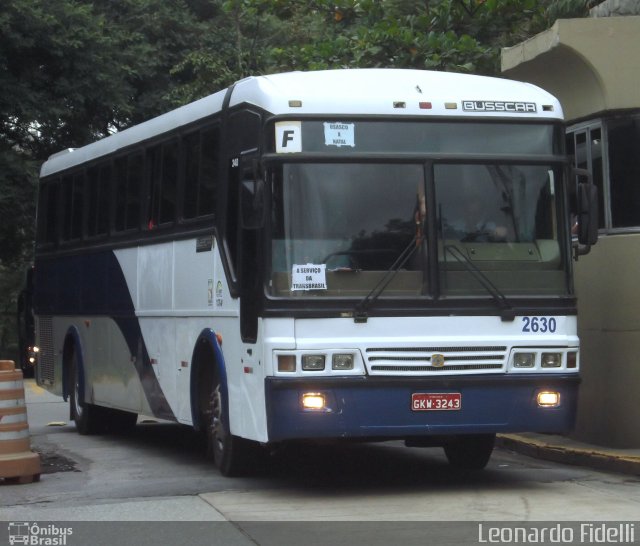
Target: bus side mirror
252,197
587,214
586,210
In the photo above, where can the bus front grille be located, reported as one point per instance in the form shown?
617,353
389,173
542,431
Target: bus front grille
435,360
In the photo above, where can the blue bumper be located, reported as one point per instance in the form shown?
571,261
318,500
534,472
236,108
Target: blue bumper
380,408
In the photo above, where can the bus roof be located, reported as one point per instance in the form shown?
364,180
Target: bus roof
374,91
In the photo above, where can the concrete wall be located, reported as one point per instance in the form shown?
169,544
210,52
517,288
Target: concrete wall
608,287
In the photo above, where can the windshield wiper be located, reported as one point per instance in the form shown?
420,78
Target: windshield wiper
360,311
507,314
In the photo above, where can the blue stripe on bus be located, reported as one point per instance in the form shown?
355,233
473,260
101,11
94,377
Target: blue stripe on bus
367,409
90,285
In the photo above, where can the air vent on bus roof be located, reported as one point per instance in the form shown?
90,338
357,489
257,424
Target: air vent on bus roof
63,152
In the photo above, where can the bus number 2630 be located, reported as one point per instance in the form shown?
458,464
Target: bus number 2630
539,325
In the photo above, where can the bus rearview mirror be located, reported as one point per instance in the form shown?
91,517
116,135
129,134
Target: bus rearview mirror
587,214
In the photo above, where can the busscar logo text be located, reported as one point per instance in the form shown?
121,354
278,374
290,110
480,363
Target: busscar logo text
513,107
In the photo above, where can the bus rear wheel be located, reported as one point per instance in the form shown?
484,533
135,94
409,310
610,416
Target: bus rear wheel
470,452
231,454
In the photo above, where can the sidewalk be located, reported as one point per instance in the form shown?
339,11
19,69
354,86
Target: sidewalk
564,450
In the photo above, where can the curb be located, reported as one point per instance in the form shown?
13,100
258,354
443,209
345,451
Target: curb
590,456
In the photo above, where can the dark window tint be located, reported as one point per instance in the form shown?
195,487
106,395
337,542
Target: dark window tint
209,171
121,193
169,182
77,206
129,172
624,168
191,175
67,207
98,190
201,169
134,183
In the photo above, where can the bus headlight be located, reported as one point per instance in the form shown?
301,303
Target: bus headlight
312,363
342,362
551,360
524,360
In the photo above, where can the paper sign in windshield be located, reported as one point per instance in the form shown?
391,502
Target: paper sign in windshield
309,277
339,134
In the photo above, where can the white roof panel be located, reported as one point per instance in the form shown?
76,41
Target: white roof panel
376,91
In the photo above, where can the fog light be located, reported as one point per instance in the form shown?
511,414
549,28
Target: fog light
286,363
342,362
313,401
548,399
312,363
524,360
551,360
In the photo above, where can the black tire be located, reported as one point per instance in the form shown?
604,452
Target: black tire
117,421
470,452
86,416
232,455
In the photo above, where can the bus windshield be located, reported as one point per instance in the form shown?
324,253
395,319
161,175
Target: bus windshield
337,228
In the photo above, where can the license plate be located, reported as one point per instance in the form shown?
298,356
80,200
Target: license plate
450,401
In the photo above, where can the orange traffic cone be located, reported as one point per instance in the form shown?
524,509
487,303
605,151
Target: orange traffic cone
18,463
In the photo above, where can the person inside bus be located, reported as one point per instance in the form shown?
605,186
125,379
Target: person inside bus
418,259
476,218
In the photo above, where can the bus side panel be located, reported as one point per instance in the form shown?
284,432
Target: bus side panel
109,371
178,289
90,292
138,312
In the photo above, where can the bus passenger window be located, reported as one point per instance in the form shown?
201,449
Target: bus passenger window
77,206
168,185
191,174
209,150
99,186
67,207
153,174
121,193
134,180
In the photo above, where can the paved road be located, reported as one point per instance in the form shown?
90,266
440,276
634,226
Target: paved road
159,473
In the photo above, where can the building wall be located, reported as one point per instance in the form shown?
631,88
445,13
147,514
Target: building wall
607,283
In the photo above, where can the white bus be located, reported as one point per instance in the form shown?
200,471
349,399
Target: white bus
352,254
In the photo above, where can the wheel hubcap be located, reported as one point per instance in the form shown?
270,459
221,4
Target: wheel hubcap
217,428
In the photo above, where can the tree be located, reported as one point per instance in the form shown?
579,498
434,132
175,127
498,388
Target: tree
73,71
453,35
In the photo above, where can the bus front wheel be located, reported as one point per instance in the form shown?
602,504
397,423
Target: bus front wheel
470,452
231,454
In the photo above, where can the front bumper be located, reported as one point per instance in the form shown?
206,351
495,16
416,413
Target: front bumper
380,408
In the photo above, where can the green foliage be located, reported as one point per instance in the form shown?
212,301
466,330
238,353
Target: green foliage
72,71
453,35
